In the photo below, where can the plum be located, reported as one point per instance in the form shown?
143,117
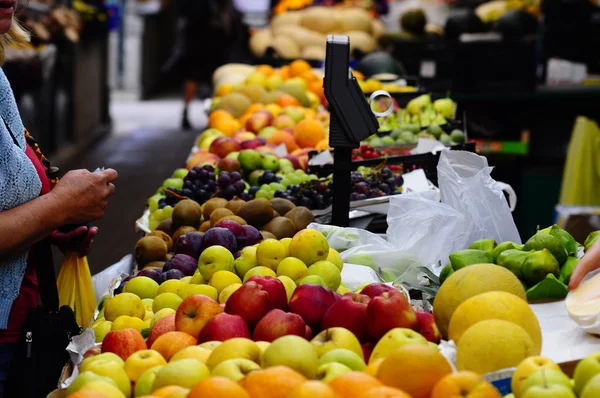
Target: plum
189,244
238,231
119,289
219,237
172,274
187,265
253,235
153,274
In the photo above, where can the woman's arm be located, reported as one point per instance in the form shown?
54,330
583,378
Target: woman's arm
589,263
79,197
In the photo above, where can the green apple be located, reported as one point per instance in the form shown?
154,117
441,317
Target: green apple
184,373
259,271
176,183
550,391
528,367
270,162
274,81
180,173
289,285
142,286
345,357
295,112
148,302
146,381
329,272
585,370
186,279
213,259
86,377
250,159
286,165
330,371
221,279
197,279
190,290
246,261
293,268
393,339
235,369
294,352
101,330
333,338
161,314
232,155
169,286
544,377
336,259
237,347
312,280
592,388
166,300
105,356
114,370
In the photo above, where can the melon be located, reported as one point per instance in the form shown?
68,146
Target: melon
232,79
302,36
230,69
235,103
254,92
377,28
320,19
260,41
272,96
362,41
286,19
313,52
286,47
353,19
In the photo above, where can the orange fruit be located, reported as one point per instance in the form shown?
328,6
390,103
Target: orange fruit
309,113
169,391
384,392
312,389
171,343
456,385
284,72
309,76
218,114
353,384
244,118
227,126
283,137
266,70
373,367
255,108
420,366
308,133
86,394
298,67
274,382
358,75
287,100
322,145
223,90
316,87
218,387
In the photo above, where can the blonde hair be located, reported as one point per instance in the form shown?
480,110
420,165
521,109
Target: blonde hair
16,34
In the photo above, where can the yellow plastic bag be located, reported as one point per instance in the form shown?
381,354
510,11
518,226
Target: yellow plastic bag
75,288
581,177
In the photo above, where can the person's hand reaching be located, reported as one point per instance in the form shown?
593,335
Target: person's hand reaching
78,240
589,263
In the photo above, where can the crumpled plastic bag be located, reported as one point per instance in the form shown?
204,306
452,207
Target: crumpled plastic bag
75,288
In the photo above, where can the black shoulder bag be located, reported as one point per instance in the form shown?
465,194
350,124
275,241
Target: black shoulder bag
40,353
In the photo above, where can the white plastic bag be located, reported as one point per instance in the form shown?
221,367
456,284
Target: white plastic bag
466,186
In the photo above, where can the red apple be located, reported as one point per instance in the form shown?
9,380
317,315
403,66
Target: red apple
123,342
194,312
367,349
162,326
223,327
349,312
223,146
251,301
282,122
252,144
244,136
276,290
308,334
311,302
294,160
202,158
278,323
259,121
229,164
375,289
426,326
388,311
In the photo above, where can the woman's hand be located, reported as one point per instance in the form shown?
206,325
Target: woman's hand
79,240
84,195
589,263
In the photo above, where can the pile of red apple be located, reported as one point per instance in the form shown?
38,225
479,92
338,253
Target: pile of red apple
365,152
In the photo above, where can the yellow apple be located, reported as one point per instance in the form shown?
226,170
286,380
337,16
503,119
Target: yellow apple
148,303
394,339
149,315
246,261
293,268
235,369
141,286
210,345
169,286
263,345
146,381
333,338
286,243
295,352
227,292
161,314
166,300
238,347
101,329
185,373
87,377
194,352
140,361
98,320
114,370
128,322
186,279
124,304
269,253
106,356
329,272
259,271
335,258
213,259
106,389
222,279
343,290
190,290
197,279
289,285
527,367
329,371
361,287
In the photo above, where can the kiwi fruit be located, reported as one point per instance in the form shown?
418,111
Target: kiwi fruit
211,205
267,235
154,265
216,215
182,231
282,206
163,235
281,227
237,219
148,249
187,213
166,226
204,226
257,212
275,214
235,204
301,217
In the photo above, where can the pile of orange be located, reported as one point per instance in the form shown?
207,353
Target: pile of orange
308,133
